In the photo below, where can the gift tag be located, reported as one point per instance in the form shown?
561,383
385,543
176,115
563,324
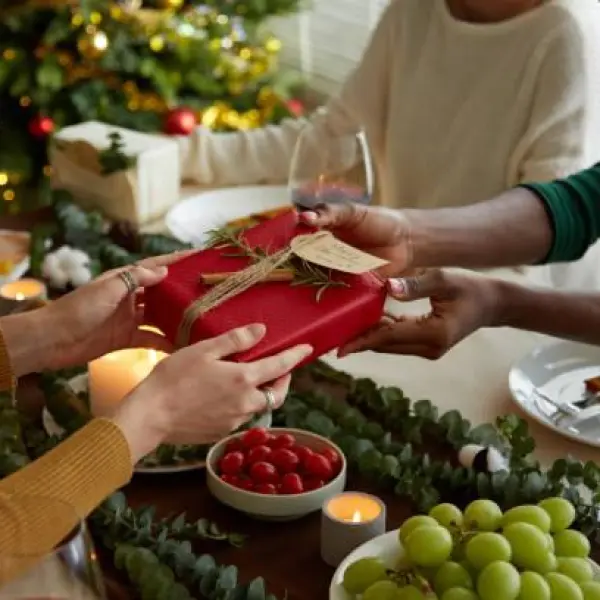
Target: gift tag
324,249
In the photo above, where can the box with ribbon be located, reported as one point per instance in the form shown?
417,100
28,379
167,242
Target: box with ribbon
127,175
306,286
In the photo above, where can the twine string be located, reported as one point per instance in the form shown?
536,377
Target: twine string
231,287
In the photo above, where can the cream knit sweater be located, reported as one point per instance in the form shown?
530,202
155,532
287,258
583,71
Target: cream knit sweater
454,112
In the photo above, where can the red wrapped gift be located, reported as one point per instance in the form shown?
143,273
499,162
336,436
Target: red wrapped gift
290,311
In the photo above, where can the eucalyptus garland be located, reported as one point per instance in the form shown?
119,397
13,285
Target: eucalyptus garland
381,432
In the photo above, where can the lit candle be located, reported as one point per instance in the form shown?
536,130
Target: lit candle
114,375
23,289
347,521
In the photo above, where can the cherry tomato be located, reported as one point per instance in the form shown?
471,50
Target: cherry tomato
282,440
291,483
302,452
333,457
245,484
234,445
232,463
312,483
258,454
263,472
230,479
318,466
265,488
285,460
257,436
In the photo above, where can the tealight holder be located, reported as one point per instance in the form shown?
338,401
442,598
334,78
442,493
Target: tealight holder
348,520
22,294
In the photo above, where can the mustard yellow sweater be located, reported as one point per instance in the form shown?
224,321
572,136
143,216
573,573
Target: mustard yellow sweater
80,473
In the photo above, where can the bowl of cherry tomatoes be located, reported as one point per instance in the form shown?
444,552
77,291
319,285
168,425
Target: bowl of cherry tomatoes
275,474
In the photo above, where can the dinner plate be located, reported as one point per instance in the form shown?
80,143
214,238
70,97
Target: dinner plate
388,548
79,384
192,219
558,372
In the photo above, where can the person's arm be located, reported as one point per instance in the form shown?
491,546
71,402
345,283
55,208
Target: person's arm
531,224
566,315
265,154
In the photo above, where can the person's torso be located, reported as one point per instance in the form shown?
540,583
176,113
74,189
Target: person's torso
460,100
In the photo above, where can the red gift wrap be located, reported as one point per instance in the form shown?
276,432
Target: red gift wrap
291,313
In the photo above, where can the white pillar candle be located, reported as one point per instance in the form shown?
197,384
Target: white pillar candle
23,290
349,520
115,375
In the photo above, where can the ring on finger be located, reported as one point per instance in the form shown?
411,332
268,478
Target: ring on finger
269,400
129,280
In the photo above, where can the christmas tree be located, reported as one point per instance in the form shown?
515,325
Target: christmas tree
155,66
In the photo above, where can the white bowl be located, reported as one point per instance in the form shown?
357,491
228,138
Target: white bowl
275,508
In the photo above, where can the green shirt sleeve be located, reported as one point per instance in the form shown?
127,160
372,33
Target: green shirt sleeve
573,207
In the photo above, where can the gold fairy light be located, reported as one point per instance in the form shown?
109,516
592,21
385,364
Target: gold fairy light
157,43
222,19
9,54
100,41
77,20
24,101
47,170
273,45
95,18
9,195
3,178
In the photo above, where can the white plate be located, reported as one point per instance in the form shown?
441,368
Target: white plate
557,371
192,219
79,384
388,548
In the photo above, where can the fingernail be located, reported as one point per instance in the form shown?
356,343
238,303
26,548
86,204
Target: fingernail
161,271
305,349
310,216
397,287
257,330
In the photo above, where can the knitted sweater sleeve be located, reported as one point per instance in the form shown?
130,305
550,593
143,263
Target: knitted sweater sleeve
573,206
45,500
264,155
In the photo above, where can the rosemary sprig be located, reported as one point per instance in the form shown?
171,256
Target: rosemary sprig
305,273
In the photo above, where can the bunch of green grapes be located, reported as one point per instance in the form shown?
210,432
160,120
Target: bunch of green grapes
526,553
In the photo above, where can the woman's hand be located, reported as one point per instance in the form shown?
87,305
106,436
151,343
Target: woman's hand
460,304
95,319
196,396
379,231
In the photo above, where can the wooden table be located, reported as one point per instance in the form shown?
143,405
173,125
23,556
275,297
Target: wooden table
471,378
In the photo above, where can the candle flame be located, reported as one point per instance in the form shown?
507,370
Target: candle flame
356,517
152,357
19,296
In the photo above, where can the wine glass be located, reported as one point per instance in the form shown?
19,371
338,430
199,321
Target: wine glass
32,567
331,162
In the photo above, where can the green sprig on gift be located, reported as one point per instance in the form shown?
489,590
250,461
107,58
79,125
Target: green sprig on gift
114,159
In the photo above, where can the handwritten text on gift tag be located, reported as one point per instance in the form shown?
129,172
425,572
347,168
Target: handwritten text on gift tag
323,249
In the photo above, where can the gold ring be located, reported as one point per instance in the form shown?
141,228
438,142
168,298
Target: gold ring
270,399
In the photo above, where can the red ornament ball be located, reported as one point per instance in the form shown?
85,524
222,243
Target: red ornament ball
180,121
41,126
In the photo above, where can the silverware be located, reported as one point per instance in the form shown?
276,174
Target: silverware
566,409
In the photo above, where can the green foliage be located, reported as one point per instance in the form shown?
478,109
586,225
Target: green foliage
114,158
385,454
13,452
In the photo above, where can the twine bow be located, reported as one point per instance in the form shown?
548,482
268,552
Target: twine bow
235,285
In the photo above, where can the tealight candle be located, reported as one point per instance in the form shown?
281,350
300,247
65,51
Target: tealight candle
347,521
113,376
23,290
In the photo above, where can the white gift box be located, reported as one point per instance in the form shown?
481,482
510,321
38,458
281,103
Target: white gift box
141,194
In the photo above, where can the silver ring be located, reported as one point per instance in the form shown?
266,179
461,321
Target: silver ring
412,285
270,399
128,279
